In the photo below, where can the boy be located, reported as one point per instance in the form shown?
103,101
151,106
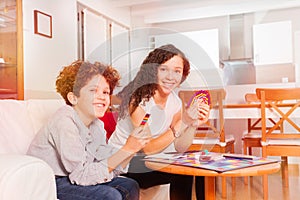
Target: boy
73,142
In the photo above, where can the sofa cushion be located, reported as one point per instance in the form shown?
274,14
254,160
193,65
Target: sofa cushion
40,110
16,130
20,121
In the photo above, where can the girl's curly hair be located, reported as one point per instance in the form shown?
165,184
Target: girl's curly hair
75,76
144,84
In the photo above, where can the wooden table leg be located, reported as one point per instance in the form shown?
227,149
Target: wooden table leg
210,188
224,188
265,187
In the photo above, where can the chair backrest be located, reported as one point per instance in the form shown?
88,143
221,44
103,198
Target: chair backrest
251,98
215,127
255,124
283,103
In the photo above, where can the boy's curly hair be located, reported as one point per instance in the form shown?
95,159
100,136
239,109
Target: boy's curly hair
145,82
75,76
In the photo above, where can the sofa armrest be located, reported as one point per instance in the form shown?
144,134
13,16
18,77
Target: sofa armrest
25,177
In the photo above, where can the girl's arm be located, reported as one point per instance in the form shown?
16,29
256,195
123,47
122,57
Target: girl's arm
185,133
187,124
157,144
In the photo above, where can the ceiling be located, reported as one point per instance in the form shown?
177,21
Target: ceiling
159,11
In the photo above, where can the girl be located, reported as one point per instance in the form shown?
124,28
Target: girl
152,91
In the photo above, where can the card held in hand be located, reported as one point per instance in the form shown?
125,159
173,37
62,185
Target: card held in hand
200,94
145,119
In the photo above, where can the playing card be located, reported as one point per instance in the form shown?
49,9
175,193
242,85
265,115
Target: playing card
201,94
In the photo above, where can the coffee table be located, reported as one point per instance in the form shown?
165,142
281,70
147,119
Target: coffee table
261,170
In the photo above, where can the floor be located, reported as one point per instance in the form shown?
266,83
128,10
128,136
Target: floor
254,189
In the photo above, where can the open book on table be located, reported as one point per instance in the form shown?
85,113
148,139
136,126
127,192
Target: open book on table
209,160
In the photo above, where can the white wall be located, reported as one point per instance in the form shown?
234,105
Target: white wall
105,7
44,57
222,23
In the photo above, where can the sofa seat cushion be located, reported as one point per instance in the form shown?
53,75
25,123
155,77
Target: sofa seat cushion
27,178
254,134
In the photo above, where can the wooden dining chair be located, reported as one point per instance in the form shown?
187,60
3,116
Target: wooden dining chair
252,136
211,136
282,104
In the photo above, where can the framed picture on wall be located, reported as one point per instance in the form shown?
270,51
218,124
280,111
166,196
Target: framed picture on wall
42,24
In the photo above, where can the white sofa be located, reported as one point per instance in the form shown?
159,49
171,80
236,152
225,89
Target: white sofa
25,177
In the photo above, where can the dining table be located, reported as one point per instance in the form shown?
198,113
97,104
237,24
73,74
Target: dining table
246,110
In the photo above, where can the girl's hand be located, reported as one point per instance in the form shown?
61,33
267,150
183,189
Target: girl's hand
203,113
197,114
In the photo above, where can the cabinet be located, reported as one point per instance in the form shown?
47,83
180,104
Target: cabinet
11,51
272,43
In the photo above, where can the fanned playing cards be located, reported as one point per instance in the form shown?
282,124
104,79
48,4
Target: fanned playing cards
200,94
